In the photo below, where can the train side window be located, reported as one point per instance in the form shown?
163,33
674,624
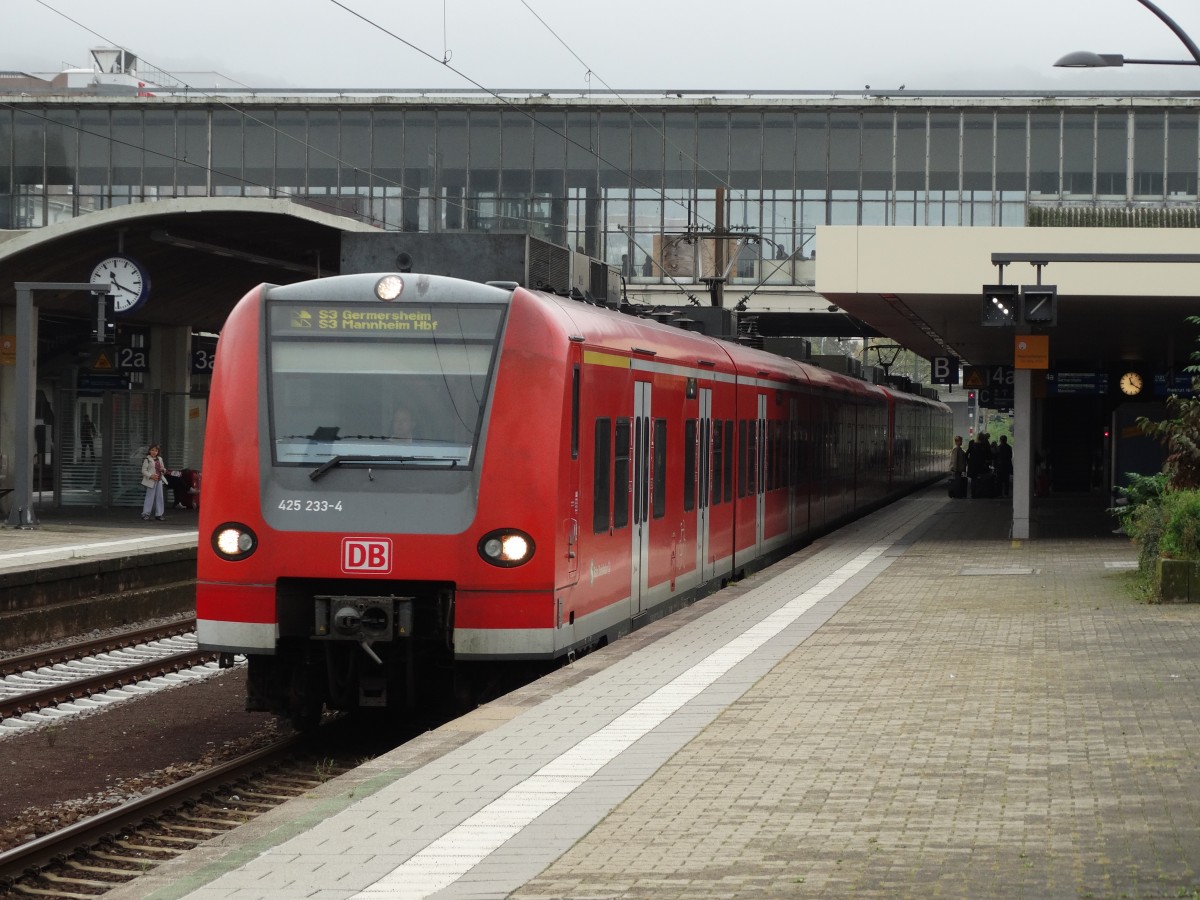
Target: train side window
575,413
660,468
601,485
752,463
621,474
769,436
718,461
728,460
689,465
741,458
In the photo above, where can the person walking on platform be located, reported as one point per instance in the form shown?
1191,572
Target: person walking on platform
87,438
979,466
958,469
1003,464
153,472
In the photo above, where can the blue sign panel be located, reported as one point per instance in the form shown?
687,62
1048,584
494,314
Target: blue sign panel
1064,384
1177,386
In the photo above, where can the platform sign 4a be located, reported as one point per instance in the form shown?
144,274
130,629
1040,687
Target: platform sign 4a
994,384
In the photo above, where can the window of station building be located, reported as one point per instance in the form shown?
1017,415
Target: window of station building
226,152
258,149
1149,153
601,483
944,154
877,152
712,152
647,152
354,153
613,151
516,154
812,152
1181,153
978,140
94,150
549,154
291,153
483,176
323,149
845,147
779,152
1112,153
1045,131
746,153
127,150
911,150
62,144
621,446
660,468
451,177
1079,154
158,165
1010,152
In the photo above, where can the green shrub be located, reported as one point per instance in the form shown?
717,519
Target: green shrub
1180,537
1142,515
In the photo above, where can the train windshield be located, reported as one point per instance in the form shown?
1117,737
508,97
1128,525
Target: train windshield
402,386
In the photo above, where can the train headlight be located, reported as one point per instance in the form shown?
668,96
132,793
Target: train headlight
506,547
234,541
389,287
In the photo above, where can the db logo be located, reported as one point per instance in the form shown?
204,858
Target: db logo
366,555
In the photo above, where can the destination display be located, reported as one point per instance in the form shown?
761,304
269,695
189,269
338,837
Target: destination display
391,321
1063,384
1176,386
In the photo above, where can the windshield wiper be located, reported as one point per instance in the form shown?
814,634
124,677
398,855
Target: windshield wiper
334,461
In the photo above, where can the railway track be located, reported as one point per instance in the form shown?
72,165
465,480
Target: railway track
92,856
84,672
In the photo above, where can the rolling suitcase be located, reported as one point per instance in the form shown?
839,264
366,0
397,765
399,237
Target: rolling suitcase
958,487
983,486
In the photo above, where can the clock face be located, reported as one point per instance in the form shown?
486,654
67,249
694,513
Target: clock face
125,279
1131,383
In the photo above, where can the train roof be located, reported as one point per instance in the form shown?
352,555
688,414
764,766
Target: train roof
622,333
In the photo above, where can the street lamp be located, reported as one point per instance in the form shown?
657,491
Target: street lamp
1086,59
1083,59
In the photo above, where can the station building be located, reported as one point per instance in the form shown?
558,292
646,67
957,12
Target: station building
876,216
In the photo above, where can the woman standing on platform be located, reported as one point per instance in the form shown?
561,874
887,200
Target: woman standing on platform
153,470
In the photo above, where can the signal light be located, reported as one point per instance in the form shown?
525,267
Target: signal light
999,305
105,330
1039,304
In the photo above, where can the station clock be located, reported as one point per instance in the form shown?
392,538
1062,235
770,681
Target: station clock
1131,384
125,279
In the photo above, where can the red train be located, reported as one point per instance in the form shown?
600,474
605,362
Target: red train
410,473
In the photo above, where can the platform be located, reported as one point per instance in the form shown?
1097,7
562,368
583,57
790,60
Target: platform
66,534
915,705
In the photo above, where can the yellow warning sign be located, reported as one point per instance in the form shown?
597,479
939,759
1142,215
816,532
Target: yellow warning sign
973,377
102,361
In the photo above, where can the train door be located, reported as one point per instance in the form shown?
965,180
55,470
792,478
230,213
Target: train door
639,570
758,465
789,466
705,563
571,519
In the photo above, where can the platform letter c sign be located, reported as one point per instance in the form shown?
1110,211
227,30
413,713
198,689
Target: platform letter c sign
372,555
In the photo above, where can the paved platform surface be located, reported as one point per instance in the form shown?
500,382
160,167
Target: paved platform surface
914,706
64,534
